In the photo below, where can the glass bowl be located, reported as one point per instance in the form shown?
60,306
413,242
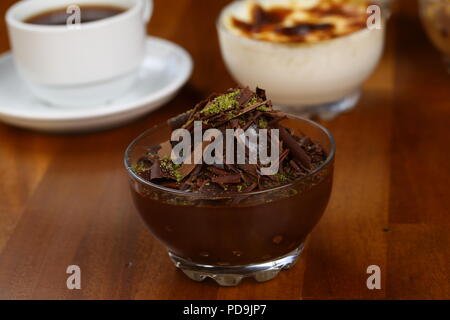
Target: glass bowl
231,236
322,78
435,15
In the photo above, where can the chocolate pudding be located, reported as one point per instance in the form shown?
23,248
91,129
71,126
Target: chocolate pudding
247,216
218,232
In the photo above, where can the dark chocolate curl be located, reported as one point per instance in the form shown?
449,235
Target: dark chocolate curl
244,96
155,170
229,178
295,148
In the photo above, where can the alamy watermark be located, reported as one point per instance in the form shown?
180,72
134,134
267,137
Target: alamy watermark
74,17
374,19
73,282
374,280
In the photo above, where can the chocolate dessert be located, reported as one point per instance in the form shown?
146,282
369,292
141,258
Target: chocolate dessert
231,214
238,108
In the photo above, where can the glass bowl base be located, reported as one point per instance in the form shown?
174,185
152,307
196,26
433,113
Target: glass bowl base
232,275
325,111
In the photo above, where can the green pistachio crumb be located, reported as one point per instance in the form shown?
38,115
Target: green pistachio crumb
138,168
171,168
252,101
263,108
262,123
178,175
222,103
231,115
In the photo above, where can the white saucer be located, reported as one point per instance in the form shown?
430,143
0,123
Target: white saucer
165,70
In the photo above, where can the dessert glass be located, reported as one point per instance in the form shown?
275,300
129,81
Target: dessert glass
435,15
231,236
322,78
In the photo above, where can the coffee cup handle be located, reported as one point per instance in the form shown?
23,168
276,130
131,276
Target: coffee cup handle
147,6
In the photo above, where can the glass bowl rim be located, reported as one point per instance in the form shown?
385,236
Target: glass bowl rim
205,195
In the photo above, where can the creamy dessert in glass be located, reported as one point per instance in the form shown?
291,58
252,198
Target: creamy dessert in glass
228,221
311,56
435,16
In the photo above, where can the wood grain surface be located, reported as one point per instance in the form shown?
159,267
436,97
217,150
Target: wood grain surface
64,199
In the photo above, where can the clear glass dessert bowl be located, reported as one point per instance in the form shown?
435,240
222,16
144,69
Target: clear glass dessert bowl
320,78
230,236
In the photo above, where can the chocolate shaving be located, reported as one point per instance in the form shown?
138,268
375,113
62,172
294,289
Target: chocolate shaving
238,108
294,165
295,148
244,111
186,169
229,178
244,96
261,93
249,168
178,121
166,150
156,172
234,123
251,187
218,171
254,118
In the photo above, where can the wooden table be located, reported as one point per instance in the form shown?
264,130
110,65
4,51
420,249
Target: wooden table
64,199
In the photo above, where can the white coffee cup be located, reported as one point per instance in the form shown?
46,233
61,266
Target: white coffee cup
82,65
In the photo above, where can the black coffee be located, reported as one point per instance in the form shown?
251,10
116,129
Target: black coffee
58,17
